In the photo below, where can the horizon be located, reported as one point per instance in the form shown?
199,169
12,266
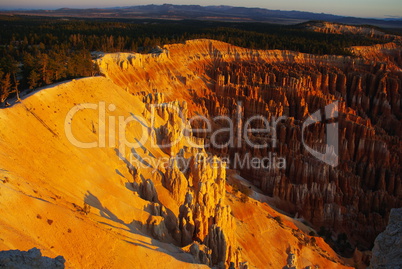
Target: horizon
392,10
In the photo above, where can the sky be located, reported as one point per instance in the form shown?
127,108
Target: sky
357,8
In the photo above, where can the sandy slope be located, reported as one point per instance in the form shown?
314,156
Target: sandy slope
267,243
43,174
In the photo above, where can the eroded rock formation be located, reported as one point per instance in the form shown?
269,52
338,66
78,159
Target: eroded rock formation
388,244
338,28
197,185
32,259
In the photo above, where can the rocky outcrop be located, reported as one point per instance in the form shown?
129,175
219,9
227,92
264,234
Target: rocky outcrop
291,261
205,211
194,180
31,259
389,53
342,29
203,217
168,136
201,253
387,249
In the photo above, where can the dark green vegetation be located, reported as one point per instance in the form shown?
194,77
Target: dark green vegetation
37,51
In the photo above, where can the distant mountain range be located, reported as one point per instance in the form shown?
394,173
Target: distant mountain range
219,13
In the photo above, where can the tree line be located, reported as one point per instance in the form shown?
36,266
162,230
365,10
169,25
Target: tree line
37,51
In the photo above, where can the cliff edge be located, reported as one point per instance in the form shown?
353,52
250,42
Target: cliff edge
387,251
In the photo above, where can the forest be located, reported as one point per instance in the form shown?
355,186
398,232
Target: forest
37,51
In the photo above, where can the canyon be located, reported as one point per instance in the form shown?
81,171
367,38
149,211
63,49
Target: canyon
353,198
119,205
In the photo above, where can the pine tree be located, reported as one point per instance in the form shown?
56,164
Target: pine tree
16,84
33,79
44,61
5,89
